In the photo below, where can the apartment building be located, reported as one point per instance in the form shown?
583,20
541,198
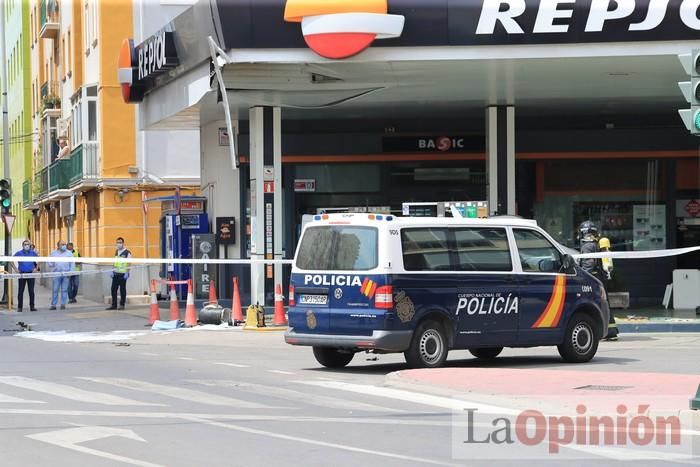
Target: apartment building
22,135
96,188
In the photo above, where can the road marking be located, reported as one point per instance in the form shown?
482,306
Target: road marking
189,359
297,439
235,365
149,354
70,392
281,372
408,396
5,399
175,392
296,396
70,438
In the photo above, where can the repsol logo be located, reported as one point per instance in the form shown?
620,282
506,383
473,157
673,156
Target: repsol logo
487,304
340,281
557,16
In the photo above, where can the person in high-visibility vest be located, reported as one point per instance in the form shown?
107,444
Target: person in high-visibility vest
120,274
607,264
74,281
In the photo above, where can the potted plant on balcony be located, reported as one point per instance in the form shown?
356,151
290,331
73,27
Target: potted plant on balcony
52,102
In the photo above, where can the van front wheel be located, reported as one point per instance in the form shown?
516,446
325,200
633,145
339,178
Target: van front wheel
332,358
580,340
428,346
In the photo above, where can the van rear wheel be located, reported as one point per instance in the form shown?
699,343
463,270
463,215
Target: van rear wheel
332,358
486,353
580,340
428,346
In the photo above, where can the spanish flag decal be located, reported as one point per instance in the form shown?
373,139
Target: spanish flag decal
552,314
368,288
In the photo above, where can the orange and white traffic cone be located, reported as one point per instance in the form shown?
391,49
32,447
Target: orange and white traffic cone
154,312
212,293
237,310
279,319
174,305
190,310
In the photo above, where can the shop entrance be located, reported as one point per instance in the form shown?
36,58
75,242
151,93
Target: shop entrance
384,187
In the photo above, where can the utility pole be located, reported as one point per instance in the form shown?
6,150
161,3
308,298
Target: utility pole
5,131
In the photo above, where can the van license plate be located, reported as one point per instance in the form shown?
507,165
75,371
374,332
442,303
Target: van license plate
313,299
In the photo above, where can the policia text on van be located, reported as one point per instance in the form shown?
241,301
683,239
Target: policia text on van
423,286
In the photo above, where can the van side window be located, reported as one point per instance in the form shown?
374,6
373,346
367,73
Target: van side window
482,249
536,252
425,249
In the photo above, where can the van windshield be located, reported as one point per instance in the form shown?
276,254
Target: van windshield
338,248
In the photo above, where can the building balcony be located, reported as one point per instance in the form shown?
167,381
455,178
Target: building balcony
50,19
65,176
50,102
27,194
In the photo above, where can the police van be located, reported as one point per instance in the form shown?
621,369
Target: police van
423,286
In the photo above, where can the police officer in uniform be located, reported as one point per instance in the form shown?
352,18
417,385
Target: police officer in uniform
120,274
588,233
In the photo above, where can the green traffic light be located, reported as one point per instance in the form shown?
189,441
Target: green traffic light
6,203
696,120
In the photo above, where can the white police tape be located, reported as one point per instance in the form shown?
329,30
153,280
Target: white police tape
112,260
638,254
52,274
210,261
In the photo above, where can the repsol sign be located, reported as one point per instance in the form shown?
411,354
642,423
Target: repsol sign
571,21
433,23
594,16
140,65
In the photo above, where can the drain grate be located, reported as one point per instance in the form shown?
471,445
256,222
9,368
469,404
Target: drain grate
596,387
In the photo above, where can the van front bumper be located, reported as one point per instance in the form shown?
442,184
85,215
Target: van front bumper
389,341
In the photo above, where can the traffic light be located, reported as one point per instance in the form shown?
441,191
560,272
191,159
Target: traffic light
691,91
5,196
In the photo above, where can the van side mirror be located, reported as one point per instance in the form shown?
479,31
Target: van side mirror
568,265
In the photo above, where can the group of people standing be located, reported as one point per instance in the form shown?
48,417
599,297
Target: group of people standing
65,287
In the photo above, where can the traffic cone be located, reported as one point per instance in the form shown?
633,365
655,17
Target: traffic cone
237,310
154,312
279,319
174,305
212,293
190,310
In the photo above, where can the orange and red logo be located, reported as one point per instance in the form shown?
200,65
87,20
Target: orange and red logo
339,29
368,287
131,91
552,313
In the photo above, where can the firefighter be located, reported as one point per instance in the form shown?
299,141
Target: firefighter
588,234
607,264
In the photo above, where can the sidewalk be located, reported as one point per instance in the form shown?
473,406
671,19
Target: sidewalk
85,315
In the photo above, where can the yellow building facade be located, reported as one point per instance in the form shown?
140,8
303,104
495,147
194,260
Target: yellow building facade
93,191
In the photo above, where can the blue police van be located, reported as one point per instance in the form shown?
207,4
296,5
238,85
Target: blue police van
423,286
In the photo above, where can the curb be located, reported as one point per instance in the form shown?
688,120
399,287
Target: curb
658,327
397,381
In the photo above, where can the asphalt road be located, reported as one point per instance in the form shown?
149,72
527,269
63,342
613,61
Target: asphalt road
233,398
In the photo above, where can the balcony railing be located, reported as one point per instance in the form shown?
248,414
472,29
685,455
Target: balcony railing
26,193
50,20
82,166
41,183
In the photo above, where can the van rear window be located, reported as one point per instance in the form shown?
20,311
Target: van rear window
338,248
